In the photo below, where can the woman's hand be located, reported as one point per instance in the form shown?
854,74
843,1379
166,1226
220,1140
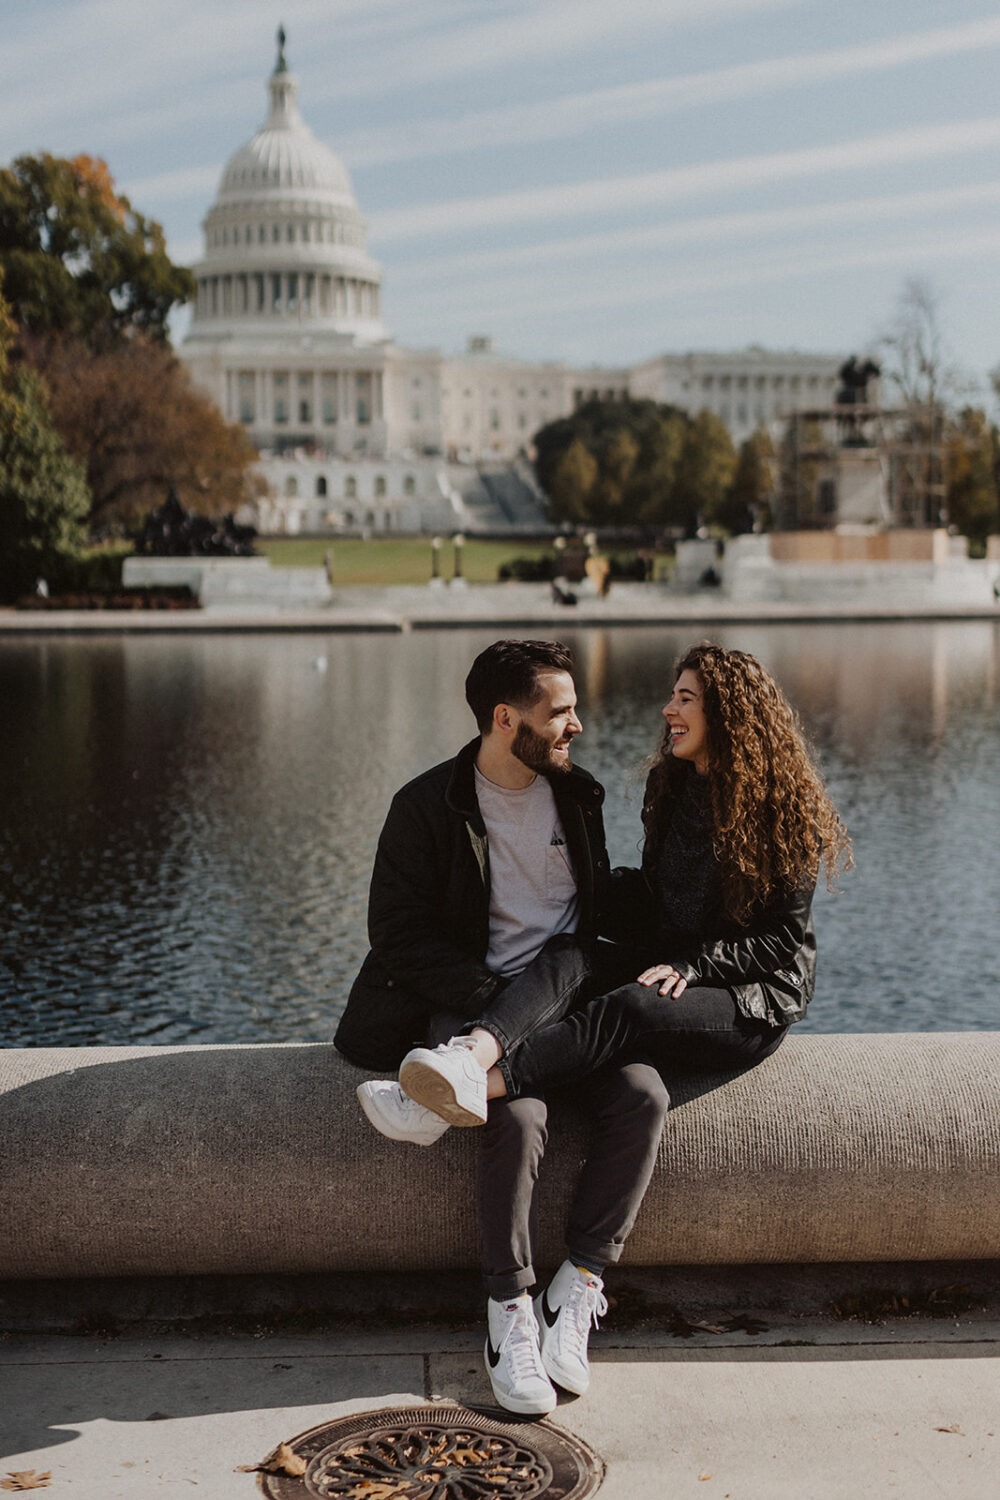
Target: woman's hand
666,976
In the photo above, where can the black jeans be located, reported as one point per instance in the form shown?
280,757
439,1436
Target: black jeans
537,997
702,1029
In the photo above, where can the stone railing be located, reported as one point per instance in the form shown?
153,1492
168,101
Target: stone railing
256,1159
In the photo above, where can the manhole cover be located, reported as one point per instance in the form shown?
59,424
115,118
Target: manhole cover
438,1453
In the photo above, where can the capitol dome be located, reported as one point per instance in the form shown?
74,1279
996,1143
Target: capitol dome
284,155
285,240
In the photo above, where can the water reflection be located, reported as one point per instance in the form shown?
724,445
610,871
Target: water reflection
190,823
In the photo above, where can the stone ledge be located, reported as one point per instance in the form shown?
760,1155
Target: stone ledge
255,1160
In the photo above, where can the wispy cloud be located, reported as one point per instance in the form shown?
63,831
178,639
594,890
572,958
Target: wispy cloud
619,194
804,222
573,115
557,295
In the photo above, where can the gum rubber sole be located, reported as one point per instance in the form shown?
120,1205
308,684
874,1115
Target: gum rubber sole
426,1085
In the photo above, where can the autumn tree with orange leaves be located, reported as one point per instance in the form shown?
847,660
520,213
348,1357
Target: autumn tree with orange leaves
78,259
91,287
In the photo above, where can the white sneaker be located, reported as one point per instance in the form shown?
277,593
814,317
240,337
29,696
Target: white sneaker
513,1358
569,1305
397,1116
448,1080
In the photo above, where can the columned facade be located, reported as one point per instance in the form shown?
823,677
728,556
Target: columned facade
355,432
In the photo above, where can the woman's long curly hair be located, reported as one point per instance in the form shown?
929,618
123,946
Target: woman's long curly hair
774,823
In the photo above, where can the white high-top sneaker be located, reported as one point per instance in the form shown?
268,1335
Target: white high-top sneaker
448,1080
571,1303
513,1358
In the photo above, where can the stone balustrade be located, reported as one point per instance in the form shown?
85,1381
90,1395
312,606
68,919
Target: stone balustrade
148,1161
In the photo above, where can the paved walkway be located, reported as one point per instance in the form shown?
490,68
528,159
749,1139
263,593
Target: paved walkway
508,605
815,1410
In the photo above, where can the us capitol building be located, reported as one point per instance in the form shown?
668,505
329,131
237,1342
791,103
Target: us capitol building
356,433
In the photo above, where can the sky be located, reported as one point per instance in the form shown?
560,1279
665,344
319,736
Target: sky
596,181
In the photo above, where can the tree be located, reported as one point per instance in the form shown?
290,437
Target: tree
132,417
43,494
971,456
748,504
654,483
920,378
609,498
633,448
704,473
571,482
78,258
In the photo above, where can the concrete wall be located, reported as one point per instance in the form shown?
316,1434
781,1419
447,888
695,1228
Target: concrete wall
857,567
256,1159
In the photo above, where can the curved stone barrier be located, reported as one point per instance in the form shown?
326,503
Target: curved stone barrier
195,1160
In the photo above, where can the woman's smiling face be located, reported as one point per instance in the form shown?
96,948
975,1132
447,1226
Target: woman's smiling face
685,716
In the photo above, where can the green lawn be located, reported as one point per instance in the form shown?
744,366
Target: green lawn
388,560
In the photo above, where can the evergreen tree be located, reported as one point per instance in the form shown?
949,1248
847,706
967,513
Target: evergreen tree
748,502
44,499
704,473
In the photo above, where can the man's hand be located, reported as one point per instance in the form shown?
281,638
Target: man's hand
666,976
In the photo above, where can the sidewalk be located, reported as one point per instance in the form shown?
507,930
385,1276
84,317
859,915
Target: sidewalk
815,1409
507,605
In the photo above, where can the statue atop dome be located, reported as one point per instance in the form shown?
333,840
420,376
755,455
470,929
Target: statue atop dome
281,66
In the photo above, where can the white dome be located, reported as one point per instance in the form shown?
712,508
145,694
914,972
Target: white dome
284,155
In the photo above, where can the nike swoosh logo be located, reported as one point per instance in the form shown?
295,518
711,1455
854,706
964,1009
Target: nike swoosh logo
551,1318
493,1355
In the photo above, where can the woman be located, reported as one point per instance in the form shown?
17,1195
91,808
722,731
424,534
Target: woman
737,825
716,955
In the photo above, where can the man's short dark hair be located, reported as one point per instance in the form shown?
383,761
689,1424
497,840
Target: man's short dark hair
508,672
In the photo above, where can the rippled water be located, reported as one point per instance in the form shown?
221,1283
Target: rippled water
189,822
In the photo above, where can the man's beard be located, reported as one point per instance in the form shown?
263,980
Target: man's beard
536,753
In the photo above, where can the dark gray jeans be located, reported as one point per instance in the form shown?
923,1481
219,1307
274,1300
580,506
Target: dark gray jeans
626,1106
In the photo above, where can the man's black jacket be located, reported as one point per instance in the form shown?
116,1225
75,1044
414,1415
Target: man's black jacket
428,906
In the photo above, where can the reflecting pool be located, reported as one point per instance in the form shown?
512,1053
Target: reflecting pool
189,822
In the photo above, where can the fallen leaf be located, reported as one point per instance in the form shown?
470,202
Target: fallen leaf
26,1479
953,1428
704,1476
281,1460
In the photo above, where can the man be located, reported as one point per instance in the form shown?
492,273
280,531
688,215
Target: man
485,898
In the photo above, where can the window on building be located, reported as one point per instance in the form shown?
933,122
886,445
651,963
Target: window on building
281,397
291,487
379,485
276,293
351,487
409,485
275,233
363,391
305,385
246,387
494,419
328,398
348,518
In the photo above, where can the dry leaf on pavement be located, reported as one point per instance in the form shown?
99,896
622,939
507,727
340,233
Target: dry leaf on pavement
26,1479
281,1460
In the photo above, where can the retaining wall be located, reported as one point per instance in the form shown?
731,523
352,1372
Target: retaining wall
257,1159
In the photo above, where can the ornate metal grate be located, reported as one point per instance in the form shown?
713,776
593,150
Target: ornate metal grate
438,1453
